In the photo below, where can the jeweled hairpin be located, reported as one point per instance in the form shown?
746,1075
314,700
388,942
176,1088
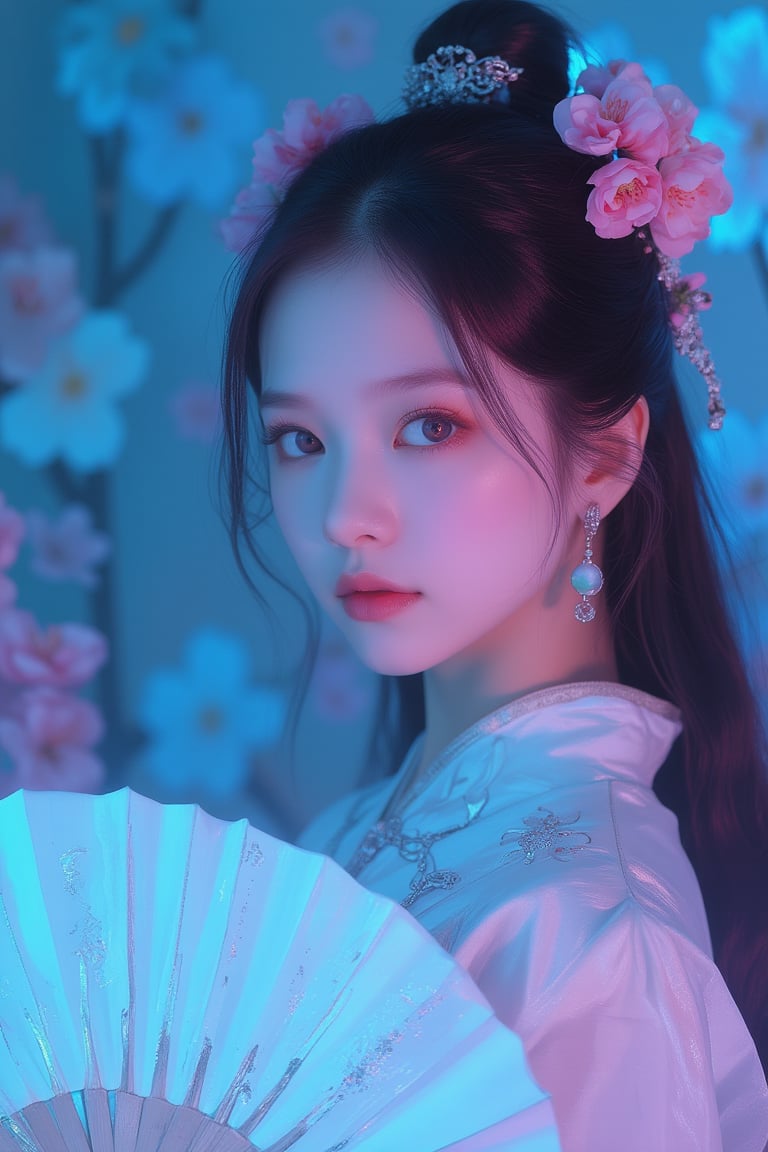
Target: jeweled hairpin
686,301
454,75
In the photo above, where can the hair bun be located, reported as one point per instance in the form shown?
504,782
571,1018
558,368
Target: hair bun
522,34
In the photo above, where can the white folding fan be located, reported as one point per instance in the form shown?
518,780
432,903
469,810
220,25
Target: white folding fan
173,983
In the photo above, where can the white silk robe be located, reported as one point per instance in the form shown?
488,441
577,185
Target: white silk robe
536,852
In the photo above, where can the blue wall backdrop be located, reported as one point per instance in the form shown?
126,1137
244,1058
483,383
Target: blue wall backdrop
126,131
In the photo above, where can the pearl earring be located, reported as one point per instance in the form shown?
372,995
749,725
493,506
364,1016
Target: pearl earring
587,578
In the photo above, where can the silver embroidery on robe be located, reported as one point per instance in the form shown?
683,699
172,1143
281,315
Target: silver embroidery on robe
547,834
415,847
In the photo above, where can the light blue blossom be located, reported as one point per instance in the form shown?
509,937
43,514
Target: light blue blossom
110,48
608,42
735,62
205,720
736,460
187,142
68,408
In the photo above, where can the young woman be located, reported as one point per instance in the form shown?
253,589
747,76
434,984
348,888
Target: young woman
478,457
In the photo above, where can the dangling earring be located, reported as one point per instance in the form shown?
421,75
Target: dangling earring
587,578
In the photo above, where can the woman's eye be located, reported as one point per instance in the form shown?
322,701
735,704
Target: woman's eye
294,442
435,428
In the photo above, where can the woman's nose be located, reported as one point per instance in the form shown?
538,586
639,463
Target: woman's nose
359,502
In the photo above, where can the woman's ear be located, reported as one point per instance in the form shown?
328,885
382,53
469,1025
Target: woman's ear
621,454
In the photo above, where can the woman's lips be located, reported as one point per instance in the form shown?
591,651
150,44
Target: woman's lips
372,606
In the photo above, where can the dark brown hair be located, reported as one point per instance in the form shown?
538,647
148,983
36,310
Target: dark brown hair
482,207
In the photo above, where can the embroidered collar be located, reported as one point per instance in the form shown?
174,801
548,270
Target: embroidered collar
584,722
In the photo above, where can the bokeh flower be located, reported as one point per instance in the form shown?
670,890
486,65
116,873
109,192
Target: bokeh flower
611,41
112,48
23,222
278,156
12,529
62,656
735,62
348,36
736,464
185,142
68,409
38,302
196,411
340,688
66,548
206,719
49,738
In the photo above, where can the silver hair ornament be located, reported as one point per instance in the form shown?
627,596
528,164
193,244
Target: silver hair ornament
454,75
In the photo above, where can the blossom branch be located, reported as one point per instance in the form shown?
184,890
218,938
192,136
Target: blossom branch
153,242
761,260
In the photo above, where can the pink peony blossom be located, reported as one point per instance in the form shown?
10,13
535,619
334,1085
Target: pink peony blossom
625,118
23,224
694,189
626,195
581,125
278,157
596,78
66,548
38,301
680,113
49,736
196,411
12,530
61,656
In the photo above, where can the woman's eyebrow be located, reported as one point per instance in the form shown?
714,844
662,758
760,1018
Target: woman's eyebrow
273,399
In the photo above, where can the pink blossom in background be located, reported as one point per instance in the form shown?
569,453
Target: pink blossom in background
64,655
348,36
680,113
694,189
66,548
49,738
23,223
38,302
8,592
12,531
626,195
339,688
196,412
278,157
307,131
252,208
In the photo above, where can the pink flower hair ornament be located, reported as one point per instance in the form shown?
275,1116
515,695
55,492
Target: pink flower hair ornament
661,182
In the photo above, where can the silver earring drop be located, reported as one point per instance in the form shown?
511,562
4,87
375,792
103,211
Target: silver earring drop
587,578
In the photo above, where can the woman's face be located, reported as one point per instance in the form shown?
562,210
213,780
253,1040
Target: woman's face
389,465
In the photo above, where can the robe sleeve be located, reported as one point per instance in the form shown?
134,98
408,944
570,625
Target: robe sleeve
642,1047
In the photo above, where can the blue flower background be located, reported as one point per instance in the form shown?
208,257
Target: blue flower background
130,130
